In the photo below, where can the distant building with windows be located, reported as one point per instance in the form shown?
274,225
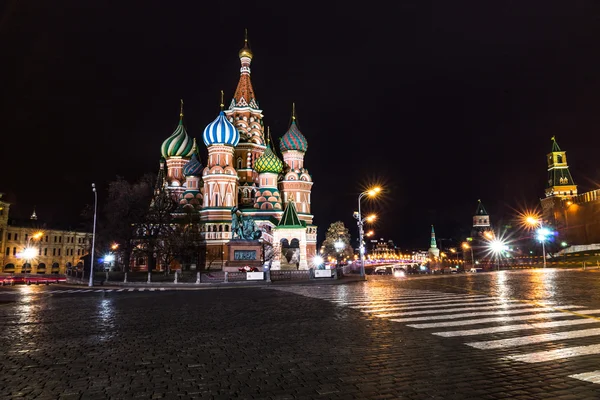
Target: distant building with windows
49,251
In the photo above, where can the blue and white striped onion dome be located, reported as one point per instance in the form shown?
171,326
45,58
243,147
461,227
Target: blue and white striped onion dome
221,131
193,167
179,144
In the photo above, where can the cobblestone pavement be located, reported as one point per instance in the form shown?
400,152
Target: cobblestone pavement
525,335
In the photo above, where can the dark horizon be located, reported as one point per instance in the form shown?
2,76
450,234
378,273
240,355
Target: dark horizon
443,104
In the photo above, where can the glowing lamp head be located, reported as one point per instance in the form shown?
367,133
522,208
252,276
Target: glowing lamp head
497,246
542,234
374,191
465,245
38,235
339,245
28,253
109,258
317,260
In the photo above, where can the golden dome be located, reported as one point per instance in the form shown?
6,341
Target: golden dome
245,51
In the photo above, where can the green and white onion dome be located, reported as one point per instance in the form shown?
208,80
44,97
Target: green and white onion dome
179,144
293,140
268,162
221,131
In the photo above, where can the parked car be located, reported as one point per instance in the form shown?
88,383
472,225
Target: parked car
476,270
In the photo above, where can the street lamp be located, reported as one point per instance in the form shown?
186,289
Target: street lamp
339,247
370,193
497,246
542,233
466,246
91,282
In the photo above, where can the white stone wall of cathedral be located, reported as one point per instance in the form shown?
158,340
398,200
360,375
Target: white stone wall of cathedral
294,159
175,175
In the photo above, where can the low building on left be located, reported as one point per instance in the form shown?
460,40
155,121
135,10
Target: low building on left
32,247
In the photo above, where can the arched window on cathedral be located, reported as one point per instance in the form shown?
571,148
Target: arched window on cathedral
226,228
216,200
239,163
220,228
559,159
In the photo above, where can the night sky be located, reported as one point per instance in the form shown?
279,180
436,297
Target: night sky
443,102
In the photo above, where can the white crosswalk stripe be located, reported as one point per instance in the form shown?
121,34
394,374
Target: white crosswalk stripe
593,377
466,315
557,354
443,307
533,339
477,321
436,301
517,327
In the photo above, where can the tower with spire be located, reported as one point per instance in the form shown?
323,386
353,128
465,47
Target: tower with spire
176,151
481,220
244,113
433,251
219,176
560,183
560,189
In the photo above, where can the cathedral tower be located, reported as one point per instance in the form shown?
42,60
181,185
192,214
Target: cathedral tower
268,166
191,199
176,150
245,115
297,183
219,176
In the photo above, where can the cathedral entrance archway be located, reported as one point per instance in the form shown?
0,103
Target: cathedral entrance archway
290,254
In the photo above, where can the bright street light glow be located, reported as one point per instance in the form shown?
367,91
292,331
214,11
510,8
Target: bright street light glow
28,253
317,260
542,234
109,258
339,245
371,218
497,246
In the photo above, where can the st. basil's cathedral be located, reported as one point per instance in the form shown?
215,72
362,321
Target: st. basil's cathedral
245,177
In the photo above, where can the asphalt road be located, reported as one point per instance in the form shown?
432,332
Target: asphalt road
531,334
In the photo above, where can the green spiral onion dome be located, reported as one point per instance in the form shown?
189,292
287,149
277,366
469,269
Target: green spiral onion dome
268,162
179,144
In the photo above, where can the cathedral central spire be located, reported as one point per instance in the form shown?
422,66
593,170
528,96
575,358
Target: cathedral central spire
244,94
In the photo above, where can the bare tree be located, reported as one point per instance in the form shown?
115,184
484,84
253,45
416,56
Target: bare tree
124,208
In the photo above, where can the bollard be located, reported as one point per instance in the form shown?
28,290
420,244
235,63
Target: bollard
106,276
226,277
584,265
149,279
125,278
268,275
335,275
197,277
175,281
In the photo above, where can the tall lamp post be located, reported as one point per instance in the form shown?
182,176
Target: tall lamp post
542,232
361,249
91,282
466,246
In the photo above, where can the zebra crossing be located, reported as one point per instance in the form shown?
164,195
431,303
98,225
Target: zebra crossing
451,315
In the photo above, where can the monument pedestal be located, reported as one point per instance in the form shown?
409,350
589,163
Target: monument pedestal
243,253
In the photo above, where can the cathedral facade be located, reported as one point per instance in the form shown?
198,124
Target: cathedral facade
243,178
